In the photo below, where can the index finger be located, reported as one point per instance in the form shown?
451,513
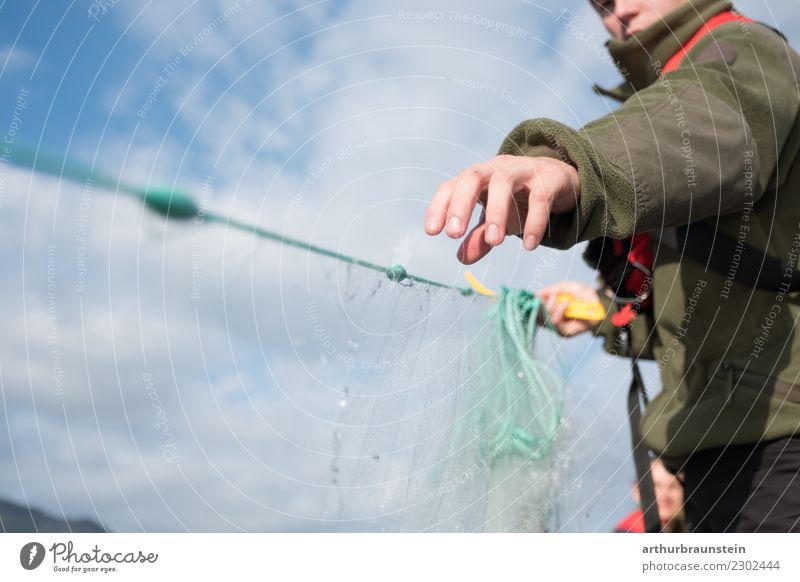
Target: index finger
437,210
467,190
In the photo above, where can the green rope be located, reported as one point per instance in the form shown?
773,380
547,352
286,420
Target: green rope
525,408
395,273
174,204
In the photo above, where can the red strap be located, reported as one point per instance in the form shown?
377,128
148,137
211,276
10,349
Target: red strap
714,22
642,253
636,283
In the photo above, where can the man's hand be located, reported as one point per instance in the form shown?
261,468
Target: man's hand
518,194
556,311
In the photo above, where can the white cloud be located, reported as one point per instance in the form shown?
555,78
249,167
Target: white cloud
15,58
339,139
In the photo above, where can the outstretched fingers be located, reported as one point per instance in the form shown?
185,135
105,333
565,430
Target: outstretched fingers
519,194
437,210
467,190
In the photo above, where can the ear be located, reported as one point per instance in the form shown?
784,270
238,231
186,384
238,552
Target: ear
635,493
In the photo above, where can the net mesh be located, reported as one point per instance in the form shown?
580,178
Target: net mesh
447,422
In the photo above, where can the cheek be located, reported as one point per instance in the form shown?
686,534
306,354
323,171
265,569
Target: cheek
648,16
613,26
672,498
653,11
677,4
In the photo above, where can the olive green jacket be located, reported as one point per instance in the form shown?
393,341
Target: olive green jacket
715,140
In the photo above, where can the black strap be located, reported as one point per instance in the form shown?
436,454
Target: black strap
735,259
641,458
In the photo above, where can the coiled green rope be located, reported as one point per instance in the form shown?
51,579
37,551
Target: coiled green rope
524,412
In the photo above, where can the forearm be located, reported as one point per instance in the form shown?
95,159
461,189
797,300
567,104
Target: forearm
642,168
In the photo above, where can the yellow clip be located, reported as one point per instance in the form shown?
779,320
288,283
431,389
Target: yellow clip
584,310
479,287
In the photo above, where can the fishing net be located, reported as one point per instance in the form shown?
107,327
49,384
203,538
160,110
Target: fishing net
448,422
394,402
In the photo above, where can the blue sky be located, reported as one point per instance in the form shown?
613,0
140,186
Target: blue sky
329,121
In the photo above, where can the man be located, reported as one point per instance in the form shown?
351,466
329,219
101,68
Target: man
697,170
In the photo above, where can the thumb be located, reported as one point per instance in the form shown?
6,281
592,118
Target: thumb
474,246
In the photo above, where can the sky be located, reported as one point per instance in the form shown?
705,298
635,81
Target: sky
159,376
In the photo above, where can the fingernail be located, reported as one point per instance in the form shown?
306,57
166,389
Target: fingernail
493,234
530,242
454,226
433,224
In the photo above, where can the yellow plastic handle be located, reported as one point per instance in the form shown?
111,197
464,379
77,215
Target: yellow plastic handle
584,310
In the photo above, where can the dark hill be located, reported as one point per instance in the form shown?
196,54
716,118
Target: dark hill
20,519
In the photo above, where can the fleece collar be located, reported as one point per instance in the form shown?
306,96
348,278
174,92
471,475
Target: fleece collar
641,57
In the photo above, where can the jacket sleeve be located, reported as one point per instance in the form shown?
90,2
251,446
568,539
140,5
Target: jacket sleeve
701,141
